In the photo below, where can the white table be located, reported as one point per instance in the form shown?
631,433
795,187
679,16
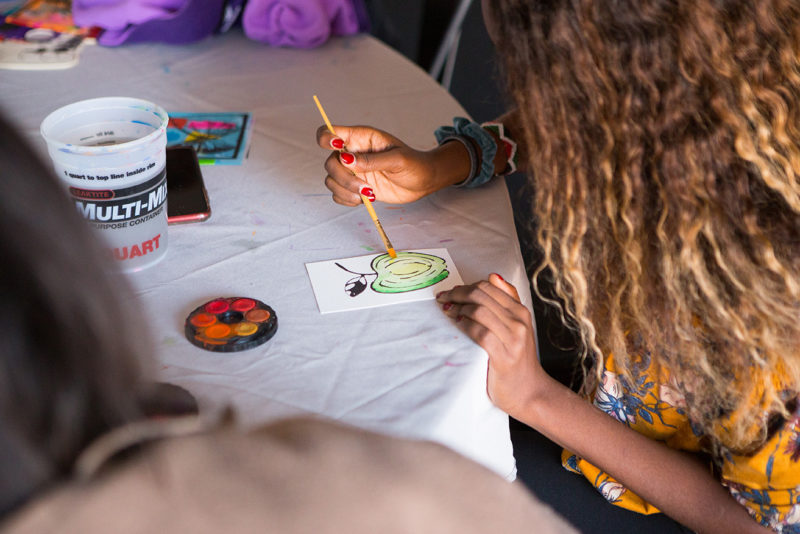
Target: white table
404,370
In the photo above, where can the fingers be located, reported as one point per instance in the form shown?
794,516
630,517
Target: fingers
324,137
488,314
356,139
390,160
341,195
499,282
486,338
481,325
376,157
346,173
503,301
342,183
476,302
357,150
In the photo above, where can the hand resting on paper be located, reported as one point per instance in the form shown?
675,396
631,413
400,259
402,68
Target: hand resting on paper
490,312
395,172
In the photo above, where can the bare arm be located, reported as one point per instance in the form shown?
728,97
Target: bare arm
490,313
395,172
674,481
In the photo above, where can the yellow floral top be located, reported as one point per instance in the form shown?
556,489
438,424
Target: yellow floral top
767,482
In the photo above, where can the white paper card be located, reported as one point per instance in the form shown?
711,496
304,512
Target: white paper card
379,280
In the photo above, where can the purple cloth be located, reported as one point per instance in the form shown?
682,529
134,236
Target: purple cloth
299,23
132,21
118,14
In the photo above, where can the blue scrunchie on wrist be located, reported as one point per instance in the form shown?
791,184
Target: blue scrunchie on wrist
483,140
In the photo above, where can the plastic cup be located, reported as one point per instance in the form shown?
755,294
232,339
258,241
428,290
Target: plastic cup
111,153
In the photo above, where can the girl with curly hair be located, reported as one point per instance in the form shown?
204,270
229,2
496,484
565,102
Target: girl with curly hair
662,143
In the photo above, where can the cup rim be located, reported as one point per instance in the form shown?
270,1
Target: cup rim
109,101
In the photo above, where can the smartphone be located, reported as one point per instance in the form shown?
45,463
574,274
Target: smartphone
187,198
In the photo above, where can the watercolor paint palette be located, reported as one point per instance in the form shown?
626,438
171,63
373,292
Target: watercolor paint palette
231,324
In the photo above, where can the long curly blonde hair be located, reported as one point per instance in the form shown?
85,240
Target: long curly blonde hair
664,151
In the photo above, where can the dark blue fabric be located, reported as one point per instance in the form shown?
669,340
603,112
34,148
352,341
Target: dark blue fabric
482,139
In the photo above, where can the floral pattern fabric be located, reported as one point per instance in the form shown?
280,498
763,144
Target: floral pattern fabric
767,482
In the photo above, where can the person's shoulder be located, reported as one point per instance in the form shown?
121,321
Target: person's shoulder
297,475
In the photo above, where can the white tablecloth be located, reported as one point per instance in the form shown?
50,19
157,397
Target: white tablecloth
404,370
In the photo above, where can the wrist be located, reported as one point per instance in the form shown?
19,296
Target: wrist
535,407
451,164
478,143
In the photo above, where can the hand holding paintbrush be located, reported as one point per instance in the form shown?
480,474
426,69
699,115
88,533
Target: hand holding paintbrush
385,167
366,200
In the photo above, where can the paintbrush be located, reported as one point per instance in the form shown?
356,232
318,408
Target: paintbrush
367,202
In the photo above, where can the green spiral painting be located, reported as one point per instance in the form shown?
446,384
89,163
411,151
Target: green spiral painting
409,271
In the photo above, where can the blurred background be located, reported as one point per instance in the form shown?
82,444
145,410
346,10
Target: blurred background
417,28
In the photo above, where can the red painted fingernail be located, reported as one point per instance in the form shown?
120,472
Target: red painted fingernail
439,294
337,143
458,319
367,192
500,277
447,305
347,158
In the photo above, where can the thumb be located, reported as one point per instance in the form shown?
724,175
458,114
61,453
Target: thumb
389,160
365,139
499,282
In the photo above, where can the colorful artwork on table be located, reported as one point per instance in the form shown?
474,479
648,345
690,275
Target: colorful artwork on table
40,49
380,280
218,138
55,15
